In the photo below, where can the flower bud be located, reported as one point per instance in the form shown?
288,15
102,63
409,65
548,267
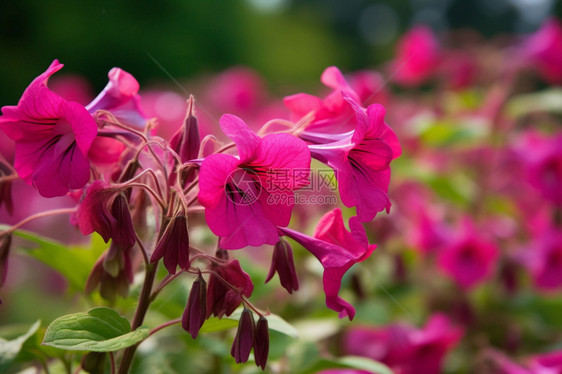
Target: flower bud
196,310
223,299
186,140
284,264
244,340
174,245
261,342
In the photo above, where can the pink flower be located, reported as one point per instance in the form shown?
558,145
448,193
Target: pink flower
544,50
120,96
331,114
417,57
543,157
235,191
337,249
53,137
405,349
468,259
361,161
544,260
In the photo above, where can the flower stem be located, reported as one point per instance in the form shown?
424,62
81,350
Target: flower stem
142,307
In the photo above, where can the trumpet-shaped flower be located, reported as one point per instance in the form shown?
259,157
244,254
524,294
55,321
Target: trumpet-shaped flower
361,161
52,136
236,191
337,249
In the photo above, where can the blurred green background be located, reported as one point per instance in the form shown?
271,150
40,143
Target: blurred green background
288,41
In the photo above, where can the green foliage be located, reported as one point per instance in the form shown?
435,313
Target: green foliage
99,330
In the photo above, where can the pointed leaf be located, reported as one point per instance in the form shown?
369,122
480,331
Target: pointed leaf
99,330
9,349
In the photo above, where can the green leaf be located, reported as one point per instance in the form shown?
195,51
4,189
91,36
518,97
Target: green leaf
544,101
74,263
99,330
9,349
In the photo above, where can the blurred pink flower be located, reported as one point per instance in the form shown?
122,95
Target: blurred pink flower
544,51
417,57
468,259
405,349
543,258
52,136
338,250
236,191
333,114
543,158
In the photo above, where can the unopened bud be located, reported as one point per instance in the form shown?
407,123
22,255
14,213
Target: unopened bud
196,310
244,340
174,245
261,342
284,265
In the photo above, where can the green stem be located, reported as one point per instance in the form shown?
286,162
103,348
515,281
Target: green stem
142,307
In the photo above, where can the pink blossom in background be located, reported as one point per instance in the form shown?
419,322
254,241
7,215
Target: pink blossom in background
543,259
405,349
238,90
235,190
333,114
338,250
543,49
370,87
468,258
72,88
52,136
417,57
542,157
429,235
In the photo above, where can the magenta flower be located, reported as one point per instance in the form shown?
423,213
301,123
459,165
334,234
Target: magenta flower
417,57
405,349
120,97
337,249
468,259
361,161
235,191
52,136
543,49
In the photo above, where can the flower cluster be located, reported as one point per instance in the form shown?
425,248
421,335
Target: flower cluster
108,157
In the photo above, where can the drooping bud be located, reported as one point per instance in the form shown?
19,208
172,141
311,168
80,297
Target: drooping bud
174,245
283,263
261,342
244,339
111,285
5,243
222,299
105,210
186,140
196,310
